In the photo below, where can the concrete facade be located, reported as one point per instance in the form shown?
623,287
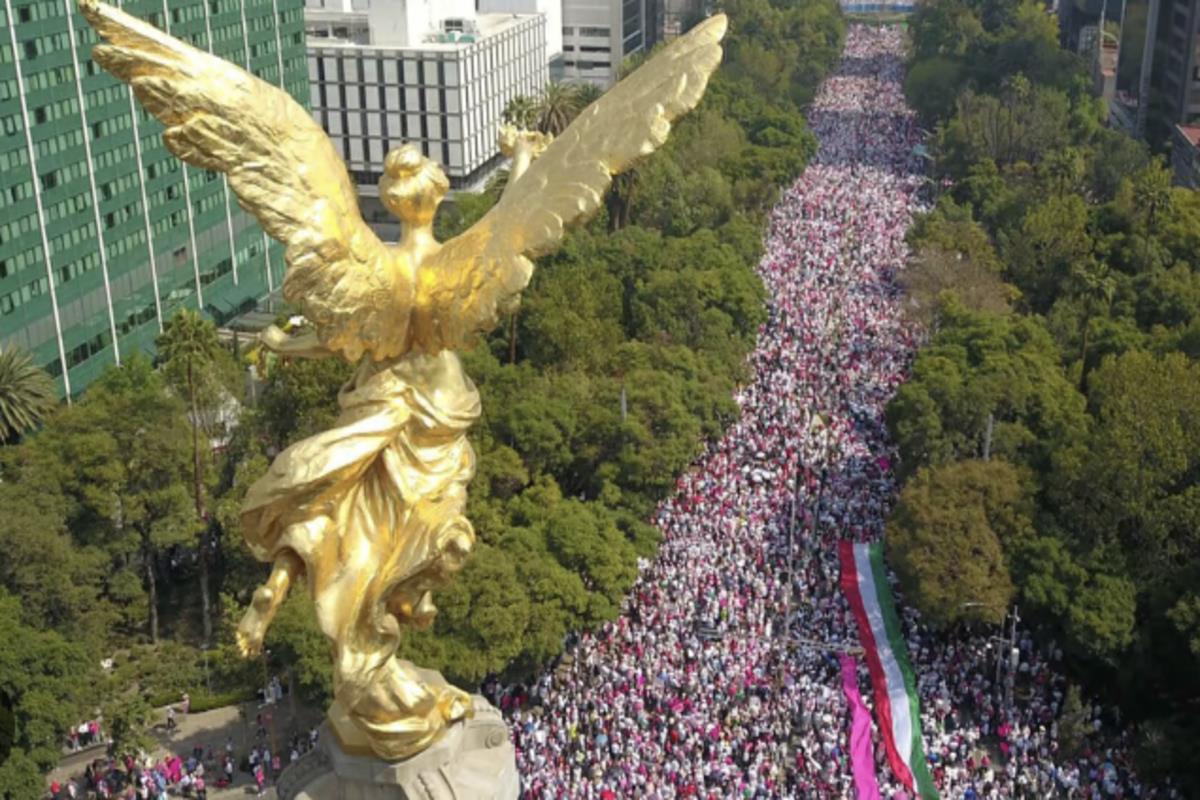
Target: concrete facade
438,75
599,34
1177,64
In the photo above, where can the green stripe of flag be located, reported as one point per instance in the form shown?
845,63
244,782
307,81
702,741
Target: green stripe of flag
883,592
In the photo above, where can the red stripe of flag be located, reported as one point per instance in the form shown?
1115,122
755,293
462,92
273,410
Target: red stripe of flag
883,706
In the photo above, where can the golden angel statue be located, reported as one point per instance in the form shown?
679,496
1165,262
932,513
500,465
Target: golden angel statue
370,513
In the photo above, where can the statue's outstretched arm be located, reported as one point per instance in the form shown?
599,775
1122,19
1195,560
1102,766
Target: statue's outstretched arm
301,345
522,147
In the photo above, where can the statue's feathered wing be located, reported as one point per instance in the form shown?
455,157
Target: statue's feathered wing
284,171
480,274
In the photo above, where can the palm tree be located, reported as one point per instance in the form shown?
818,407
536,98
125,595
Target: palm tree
27,394
620,200
558,105
1152,198
521,111
189,348
1093,284
587,93
1065,170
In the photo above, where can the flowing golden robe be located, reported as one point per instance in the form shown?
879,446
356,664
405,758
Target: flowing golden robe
374,508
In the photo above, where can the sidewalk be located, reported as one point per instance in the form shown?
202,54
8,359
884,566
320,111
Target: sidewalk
212,729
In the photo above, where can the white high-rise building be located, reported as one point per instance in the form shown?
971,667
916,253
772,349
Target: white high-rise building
598,35
432,72
552,10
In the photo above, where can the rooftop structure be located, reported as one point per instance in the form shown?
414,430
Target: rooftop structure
437,75
1185,155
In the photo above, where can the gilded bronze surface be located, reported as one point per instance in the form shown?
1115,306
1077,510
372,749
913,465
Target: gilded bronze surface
370,512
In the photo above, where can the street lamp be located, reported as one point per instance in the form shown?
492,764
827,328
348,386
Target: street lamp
207,681
1003,644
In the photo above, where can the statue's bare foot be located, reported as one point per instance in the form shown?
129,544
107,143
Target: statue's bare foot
455,704
423,615
253,627
419,616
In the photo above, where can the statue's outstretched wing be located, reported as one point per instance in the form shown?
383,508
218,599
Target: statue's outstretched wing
283,169
480,274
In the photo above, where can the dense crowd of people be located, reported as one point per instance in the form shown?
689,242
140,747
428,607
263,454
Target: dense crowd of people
141,777
720,678
206,767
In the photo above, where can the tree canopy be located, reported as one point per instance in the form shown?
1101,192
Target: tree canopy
947,538
1084,380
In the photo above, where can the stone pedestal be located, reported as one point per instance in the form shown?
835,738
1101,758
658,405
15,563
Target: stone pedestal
474,760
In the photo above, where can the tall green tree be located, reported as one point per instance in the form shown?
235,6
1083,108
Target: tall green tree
1152,193
190,350
1093,284
129,717
1141,461
522,111
122,456
1052,241
943,28
982,373
587,93
61,585
948,535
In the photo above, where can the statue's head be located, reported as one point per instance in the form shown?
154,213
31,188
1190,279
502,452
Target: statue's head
412,186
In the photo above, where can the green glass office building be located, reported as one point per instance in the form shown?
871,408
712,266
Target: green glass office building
103,233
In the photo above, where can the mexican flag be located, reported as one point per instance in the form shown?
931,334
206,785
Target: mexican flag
897,707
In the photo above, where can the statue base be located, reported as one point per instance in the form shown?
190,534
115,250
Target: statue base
474,760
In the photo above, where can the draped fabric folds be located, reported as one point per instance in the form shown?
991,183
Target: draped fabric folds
374,509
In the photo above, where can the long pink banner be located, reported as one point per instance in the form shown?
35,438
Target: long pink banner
862,760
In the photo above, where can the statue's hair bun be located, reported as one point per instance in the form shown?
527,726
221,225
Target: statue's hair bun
407,172
404,162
